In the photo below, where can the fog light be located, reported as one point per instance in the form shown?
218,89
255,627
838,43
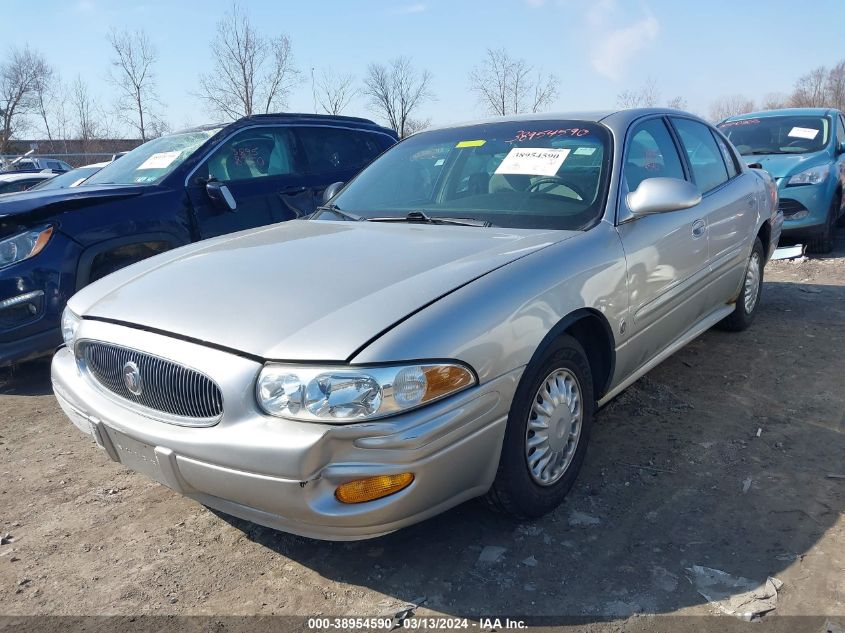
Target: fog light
371,488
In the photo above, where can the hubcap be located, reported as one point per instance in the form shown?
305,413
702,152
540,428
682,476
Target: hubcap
752,282
554,426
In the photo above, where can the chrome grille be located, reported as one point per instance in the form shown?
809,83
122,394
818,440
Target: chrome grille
166,386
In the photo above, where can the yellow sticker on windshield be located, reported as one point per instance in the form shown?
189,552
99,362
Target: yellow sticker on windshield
478,143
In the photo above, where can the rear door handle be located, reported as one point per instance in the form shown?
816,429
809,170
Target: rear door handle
698,228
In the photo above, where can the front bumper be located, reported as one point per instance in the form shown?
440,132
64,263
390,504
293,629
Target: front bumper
815,199
282,473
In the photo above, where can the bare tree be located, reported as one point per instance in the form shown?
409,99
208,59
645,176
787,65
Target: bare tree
45,95
809,91
20,76
252,73
132,74
396,91
730,105
678,103
646,96
504,85
334,92
774,101
85,112
835,86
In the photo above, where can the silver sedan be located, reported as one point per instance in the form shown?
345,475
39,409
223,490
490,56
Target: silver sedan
443,328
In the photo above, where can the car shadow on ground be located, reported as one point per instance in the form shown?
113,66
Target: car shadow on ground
720,457
26,379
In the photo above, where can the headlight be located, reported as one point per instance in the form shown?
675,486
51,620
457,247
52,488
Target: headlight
811,176
70,323
24,245
353,394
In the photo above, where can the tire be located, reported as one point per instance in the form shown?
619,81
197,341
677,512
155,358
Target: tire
824,243
516,490
746,308
838,202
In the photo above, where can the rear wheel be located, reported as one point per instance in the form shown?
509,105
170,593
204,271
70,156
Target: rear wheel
749,297
547,432
824,242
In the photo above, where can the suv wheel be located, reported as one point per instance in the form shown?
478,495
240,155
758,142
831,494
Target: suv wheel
547,432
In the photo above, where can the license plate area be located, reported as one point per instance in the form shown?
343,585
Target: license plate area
136,455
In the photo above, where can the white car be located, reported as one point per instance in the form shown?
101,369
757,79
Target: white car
15,182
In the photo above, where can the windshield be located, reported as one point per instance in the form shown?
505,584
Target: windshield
153,161
778,134
72,178
525,174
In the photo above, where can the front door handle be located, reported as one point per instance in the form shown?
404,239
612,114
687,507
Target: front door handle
698,228
293,189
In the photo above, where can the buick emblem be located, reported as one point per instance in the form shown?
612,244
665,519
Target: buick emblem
132,378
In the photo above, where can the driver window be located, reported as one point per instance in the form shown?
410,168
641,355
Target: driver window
651,153
253,153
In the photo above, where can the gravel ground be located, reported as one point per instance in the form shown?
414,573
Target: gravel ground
721,457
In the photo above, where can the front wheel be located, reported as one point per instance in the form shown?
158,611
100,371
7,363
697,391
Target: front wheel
749,297
547,432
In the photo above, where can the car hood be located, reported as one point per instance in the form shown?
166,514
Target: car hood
783,165
27,205
304,290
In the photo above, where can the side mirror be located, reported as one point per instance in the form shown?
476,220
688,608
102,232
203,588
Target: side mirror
220,195
330,191
661,195
840,148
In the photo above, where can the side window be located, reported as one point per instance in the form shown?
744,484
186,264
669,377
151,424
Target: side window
727,155
330,149
708,167
651,153
840,132
253,153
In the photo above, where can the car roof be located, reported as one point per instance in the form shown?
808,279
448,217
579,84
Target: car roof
11,176
782,112
282,118
613,118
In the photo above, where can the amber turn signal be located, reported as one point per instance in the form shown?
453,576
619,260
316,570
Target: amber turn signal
371,488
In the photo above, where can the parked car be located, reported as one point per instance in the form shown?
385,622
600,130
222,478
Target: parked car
72,178
15,182
39,164
171,191
804,150
443,328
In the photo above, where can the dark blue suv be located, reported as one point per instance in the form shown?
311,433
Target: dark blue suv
171,191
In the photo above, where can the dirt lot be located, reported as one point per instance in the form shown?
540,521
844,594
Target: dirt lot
720,457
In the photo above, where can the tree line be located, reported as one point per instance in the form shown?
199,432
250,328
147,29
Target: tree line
253,73
822,87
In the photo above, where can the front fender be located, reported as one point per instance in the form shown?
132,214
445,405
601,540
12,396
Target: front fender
496,323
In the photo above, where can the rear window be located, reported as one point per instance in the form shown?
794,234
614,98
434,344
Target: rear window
330,149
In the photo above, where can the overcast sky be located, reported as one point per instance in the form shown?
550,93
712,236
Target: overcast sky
698,49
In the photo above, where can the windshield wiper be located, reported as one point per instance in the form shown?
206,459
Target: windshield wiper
333,208
422,217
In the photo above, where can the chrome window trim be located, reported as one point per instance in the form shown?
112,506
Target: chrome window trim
274,126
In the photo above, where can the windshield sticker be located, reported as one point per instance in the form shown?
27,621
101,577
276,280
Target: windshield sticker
478,143
532,161
740,122
803,132
584,151
161,160
439,162
524,135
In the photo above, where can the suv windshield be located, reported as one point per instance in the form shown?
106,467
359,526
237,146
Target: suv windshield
778,134
524,174
153,161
